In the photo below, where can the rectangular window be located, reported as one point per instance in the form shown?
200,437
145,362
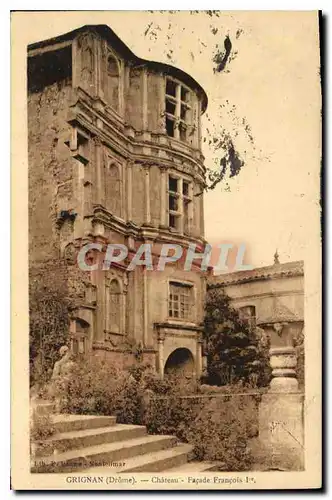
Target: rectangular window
78,345
180,300
177,106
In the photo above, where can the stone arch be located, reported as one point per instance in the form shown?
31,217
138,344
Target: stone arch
180,362
113,81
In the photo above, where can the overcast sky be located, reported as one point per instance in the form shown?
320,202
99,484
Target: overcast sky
272,80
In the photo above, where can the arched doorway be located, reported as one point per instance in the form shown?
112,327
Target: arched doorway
180,362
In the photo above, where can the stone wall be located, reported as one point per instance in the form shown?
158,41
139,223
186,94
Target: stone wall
51,172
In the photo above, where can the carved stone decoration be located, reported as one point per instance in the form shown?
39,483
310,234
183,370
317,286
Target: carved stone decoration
86,45
278,327
70,254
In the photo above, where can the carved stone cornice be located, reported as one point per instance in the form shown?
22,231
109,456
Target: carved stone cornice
146,164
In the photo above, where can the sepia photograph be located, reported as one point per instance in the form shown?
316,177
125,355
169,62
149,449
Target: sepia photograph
168,310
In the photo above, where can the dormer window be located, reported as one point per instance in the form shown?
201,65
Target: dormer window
178,110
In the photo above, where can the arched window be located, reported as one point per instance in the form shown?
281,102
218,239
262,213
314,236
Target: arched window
113,189
113,75
113,307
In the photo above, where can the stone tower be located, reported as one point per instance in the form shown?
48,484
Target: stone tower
115,157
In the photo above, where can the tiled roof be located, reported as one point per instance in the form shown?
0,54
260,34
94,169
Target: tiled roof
287,269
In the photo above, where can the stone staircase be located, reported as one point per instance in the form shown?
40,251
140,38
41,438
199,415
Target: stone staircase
97,444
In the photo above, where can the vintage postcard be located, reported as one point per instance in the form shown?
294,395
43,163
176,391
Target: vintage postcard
166,286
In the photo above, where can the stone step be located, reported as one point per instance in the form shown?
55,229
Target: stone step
42,407
159,461
68,423
72,461
72,440
194,467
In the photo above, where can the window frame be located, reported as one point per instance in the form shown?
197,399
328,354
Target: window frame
180,124
185,285
180,214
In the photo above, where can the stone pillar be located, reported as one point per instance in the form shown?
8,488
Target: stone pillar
283,364
281,433
161,338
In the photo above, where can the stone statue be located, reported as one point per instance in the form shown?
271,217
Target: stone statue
61,373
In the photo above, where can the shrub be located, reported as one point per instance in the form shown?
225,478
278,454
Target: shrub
171,415
218,427
221,430
41,427
97,387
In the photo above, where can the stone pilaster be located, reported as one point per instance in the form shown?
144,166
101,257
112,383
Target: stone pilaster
147,211
129,190
99,171
199,361
144,76
163,197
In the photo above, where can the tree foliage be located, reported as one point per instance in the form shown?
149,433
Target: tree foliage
235,351
48,329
